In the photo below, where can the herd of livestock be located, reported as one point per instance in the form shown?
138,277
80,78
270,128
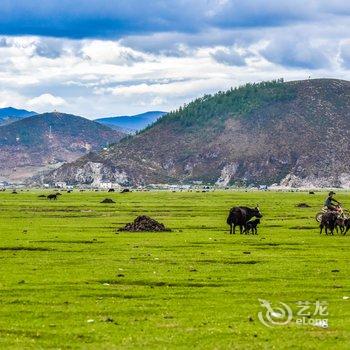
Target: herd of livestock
243,217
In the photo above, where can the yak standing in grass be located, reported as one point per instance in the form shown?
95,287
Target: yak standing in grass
52,196
328,222
239,216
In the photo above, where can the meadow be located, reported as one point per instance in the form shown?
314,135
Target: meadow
69,281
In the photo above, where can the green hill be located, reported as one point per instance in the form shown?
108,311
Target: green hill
294,133
47,140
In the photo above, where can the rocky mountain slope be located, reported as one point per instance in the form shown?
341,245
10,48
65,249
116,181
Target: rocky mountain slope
9,115
291,133
133,123
48,140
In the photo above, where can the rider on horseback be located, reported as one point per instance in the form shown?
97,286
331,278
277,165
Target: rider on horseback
330,202
331,205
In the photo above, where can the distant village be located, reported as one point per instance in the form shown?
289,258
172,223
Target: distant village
105,186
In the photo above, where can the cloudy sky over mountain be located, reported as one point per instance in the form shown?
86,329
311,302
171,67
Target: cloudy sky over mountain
108,57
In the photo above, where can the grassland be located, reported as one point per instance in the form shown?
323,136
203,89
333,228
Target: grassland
68,281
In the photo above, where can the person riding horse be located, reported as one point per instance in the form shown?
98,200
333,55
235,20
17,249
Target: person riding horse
331,203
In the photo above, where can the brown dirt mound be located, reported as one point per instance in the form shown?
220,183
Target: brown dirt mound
302,205
144,223
108,200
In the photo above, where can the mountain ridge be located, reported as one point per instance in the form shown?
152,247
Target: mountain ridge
49,139
267,133
131,123
11,114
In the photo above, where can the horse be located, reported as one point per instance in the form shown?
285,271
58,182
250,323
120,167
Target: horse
239,216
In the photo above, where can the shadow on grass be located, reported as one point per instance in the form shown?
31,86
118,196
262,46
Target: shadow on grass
302,228
114,295
229,262
161,283
40,249
76,241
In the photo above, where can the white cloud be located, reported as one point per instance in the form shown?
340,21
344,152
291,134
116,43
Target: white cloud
94,77
231,56
345,54
46,101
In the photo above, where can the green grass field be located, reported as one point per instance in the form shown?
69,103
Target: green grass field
68,281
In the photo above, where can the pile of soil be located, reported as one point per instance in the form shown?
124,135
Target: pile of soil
303,205
108,200
144,223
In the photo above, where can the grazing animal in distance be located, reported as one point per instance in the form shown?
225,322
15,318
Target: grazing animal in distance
252,226
125,190
239,216
111,190
328,222
52,196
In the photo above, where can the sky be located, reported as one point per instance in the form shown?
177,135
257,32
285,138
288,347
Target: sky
99,58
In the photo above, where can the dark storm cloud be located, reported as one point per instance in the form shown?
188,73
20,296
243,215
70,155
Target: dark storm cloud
117,18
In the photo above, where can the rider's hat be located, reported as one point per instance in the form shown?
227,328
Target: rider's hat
330,193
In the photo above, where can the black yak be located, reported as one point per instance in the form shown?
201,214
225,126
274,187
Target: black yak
52,196
328,222
239,216
252,226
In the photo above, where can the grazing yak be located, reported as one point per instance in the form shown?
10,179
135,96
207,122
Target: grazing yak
328,222
252,226
343,225
52,196
239,216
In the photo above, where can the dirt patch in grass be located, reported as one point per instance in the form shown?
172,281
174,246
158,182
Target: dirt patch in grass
108,201
303,205
144,223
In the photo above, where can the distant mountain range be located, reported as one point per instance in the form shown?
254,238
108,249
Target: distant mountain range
131,124
44,141
287,133
10,114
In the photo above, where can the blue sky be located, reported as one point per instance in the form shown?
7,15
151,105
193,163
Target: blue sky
99,58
